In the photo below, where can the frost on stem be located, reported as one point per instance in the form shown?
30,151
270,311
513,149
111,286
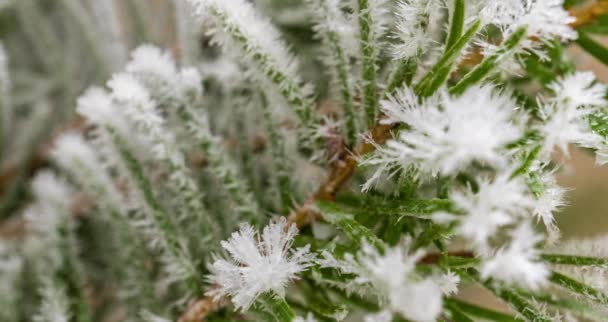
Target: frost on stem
135,100
336,33
367,13
129,105
52,250
73,154
237,26
48,213
591,247
11,266
258,263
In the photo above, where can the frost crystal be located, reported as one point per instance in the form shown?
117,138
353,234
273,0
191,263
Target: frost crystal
448,283
550,200
258,264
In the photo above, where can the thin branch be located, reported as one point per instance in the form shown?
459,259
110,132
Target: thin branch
339,175
199,309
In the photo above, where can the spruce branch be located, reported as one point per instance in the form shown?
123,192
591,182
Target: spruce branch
471,163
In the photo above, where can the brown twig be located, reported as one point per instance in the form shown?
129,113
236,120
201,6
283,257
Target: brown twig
589,14
340,172
199,309
434,258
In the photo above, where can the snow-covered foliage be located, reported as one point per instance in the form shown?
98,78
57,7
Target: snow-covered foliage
318,160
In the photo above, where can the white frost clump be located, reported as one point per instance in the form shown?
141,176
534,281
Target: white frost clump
544,20
413,28
55,304
498,202
258,264
448,283
446,134
96,106
517,263
152,62
566,115
309,318
393,276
